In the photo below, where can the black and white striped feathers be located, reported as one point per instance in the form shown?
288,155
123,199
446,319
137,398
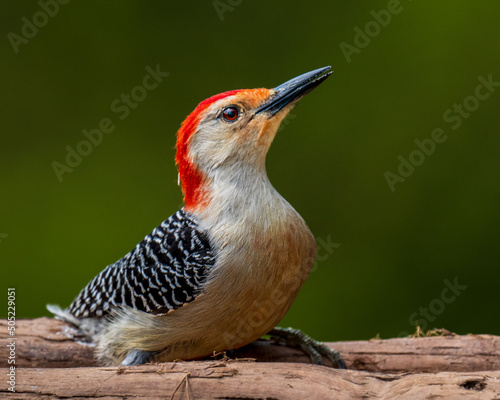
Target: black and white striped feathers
166,270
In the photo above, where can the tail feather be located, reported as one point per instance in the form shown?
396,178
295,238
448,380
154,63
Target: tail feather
63,315
89,327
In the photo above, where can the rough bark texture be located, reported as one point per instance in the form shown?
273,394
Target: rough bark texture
50,365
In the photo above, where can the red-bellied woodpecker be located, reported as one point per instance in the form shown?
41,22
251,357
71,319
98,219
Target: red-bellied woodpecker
222,271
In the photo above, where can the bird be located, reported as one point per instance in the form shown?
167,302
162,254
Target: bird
223,270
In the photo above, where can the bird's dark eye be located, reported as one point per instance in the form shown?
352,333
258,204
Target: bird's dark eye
230,114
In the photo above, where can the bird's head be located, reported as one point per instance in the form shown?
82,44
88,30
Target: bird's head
229,134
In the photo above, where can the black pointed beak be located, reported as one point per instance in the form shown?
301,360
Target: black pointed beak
293,90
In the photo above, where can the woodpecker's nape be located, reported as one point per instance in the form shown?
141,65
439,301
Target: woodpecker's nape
222,271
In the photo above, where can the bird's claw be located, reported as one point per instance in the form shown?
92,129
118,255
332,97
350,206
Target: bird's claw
137,357
314,348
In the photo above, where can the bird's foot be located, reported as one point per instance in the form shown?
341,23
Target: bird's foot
137,357
315,349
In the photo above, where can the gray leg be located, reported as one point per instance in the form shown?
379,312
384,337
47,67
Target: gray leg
315,349
137,357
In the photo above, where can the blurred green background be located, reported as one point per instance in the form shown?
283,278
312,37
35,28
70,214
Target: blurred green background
385,255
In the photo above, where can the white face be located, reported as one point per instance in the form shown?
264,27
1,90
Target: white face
232,137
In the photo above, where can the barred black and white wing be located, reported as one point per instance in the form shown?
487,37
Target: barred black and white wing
166,270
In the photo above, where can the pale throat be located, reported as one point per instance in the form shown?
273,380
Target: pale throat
243,195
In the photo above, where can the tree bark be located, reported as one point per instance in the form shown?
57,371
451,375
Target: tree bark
49,365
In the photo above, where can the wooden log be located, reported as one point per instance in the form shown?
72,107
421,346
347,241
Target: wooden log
50,364
247,380
48,343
